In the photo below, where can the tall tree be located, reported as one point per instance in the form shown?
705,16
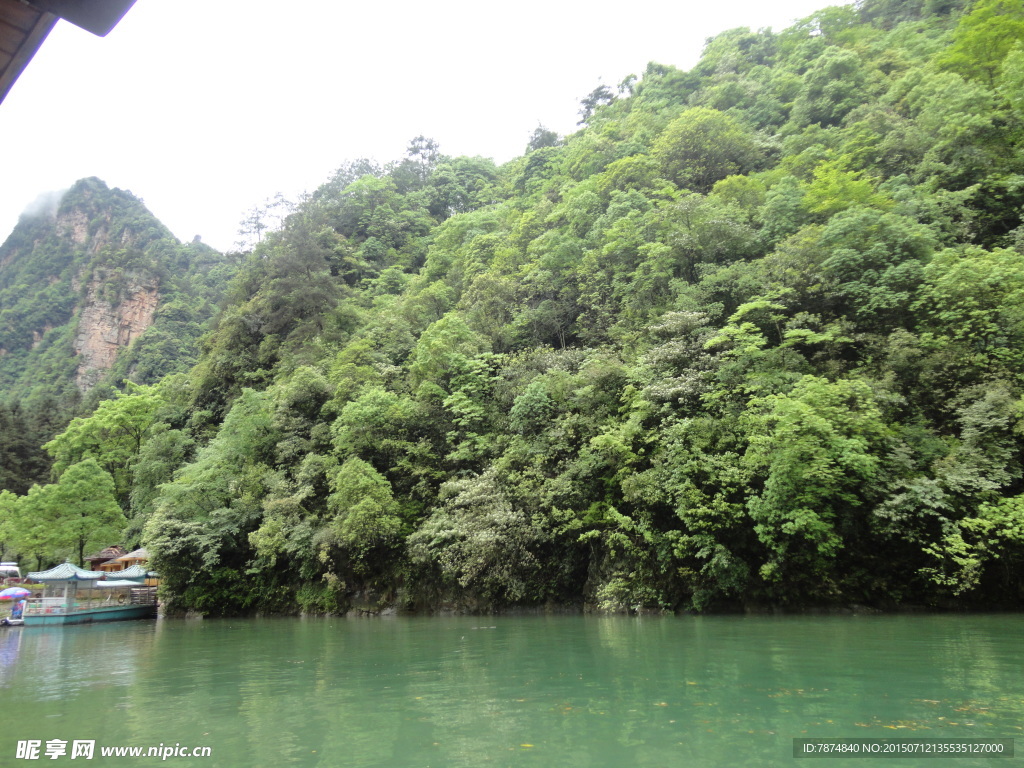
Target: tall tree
703,146
984,36
87,514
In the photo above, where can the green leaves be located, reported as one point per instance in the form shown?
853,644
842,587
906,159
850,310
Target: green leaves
87,515
984,36
992,540
112,435
833,85
971,302
480,542
835,188
818,451
76,514
366,524
703,146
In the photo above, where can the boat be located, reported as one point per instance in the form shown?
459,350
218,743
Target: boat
74,595
9,622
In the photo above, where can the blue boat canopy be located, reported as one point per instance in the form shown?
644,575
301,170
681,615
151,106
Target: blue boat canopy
64,572
134,572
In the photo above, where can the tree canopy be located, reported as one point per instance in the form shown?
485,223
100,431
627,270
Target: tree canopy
749,337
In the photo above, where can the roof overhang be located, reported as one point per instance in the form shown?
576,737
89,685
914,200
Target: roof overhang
66,572
24,24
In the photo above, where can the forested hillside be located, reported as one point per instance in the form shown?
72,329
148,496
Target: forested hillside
752,336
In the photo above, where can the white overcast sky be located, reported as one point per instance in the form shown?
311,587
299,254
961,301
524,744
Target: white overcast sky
204,108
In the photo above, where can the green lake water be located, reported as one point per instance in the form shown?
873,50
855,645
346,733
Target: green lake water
514,691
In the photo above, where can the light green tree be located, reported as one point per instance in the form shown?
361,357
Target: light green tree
836,187
983,37
819,451
38,531
112,435
703,146
991,540
366,524
87,515
75,514
8,523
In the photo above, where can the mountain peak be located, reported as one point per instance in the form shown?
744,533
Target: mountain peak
81,279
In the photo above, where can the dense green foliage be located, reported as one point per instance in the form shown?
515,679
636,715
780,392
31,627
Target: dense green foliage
751,336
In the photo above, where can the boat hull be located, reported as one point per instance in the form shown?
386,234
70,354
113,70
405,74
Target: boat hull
113,613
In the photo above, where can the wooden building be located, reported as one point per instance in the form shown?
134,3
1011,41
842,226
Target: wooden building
104,556
135,557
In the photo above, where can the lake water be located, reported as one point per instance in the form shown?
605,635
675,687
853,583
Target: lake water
513,691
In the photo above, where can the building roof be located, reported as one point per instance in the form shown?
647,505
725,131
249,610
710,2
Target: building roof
106,554
24,25
132,572
135,554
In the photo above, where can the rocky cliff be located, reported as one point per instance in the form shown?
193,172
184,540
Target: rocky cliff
104,329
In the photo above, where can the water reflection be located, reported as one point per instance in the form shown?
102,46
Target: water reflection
537,691
10,644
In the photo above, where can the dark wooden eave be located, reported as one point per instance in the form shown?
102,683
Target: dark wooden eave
24,24
22,30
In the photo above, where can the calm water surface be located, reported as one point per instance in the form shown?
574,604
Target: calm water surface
513,691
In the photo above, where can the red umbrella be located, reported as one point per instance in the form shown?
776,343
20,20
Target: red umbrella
13,593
